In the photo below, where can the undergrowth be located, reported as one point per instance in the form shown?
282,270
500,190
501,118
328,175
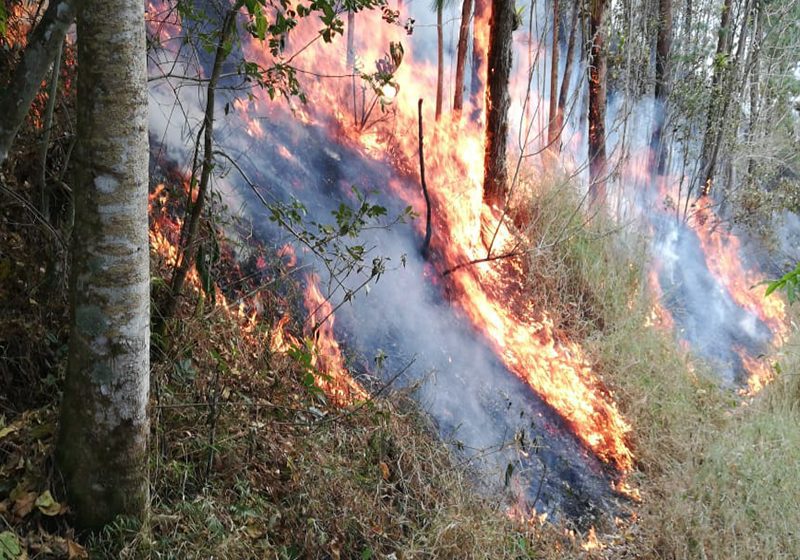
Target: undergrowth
717,471
248,461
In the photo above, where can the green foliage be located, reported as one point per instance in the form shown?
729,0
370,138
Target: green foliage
337,244
272,23
3,18
9,544
788,283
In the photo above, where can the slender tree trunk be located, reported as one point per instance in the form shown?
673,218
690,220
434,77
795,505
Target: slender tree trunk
721,64
52,94
351,38
102,442
554,124
440,57
190,227
461,56
727,86
755,80
663,47
598,168
565,82
498,100
43,45
480,22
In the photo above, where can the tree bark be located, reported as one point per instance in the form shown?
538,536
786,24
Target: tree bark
43,45
726,88
351,38
755,80
52,94
477,83
554,124
440,57
565,82
102,442
598,168
461,56
497,101
661,93
721,63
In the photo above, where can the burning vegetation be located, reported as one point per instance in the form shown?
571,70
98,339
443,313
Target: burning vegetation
565,369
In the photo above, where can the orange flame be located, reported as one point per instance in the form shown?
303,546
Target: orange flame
722,251
335,380
523,338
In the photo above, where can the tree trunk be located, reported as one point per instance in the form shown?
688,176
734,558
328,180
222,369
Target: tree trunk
498,101
598,168
43,45
565,82
554,124
721,63
102,442
440,57
480,22
461,56
351,38
755,80
663,46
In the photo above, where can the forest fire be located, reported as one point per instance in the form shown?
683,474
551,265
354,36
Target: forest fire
717,263
722,250
478,256
334,379
524,339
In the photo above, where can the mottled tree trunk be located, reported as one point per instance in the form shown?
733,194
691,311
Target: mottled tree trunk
598,168
663,46
497,101
102,442
728,83
44,43
461,56
554,123
439,57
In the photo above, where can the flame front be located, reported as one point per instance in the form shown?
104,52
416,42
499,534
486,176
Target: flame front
524,339
327,357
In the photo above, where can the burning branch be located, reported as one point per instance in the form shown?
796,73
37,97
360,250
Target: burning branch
425,244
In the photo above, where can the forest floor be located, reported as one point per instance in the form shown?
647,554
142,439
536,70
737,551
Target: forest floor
249,460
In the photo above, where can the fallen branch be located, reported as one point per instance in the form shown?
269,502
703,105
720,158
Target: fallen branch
508,255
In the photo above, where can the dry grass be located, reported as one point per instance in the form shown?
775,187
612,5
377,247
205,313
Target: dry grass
718,477
292,477
289,476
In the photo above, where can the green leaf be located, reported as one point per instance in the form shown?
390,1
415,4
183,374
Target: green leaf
47,505
10,548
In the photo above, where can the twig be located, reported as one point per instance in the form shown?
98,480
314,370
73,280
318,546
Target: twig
490,258
212,423
425,244
48,127
36,214
539,490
